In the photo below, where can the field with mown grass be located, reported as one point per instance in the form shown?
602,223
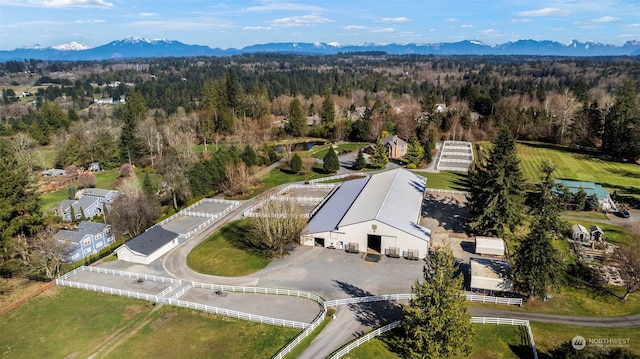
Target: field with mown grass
73,323
579,165
445,180
223,254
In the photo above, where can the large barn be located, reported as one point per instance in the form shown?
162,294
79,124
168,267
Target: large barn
148,246
379,214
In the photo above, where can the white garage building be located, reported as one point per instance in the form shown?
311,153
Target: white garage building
490,276
490,246
148,246
379,214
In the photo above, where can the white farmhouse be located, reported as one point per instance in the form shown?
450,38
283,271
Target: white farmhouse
379,214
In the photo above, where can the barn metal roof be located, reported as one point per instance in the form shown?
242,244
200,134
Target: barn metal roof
334,209
392,197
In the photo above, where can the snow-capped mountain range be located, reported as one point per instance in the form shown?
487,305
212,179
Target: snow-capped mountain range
137,47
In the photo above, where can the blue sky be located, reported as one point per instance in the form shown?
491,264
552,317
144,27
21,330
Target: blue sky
239,23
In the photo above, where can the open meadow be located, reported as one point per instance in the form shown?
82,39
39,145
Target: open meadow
74,323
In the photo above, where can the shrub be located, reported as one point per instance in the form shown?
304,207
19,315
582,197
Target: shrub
126,170
86,180
71,171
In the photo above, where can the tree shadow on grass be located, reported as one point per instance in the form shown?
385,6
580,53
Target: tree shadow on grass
236,234
373,314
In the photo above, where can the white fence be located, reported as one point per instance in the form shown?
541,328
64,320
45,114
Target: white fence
510,321
189,212
259,290
305,333
119,273
375,298
436,190
114,291
337,177
407,296
495,300
251,211
356,343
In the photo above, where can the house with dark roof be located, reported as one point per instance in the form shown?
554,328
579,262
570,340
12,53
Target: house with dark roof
379,214
395,146
593,190
148,246
86,239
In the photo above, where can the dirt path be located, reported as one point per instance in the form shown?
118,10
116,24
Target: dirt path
122,335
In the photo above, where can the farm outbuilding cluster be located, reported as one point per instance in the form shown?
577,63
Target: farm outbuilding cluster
378,214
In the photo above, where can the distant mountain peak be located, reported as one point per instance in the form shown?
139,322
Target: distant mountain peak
33,47
71,46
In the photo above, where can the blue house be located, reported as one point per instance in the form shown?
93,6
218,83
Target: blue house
87,239
92,202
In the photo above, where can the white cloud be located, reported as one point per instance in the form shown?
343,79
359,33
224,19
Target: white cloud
276,6
395,19
70,3
605,19
299,21
354,27
547,11
148,14
94,21
490,33
515,21
467,26
384,29
257,28
450,19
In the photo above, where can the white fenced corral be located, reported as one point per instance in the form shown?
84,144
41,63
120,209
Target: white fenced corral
198,216
356,343
455,156
309,196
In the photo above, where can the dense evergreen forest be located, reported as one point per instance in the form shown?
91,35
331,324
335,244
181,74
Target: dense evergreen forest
152,113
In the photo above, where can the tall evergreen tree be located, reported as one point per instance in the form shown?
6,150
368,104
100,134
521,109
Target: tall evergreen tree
249,156
496,191
130,148
415,152
621,138
296,163
548,204
379,157
436,323
536,264
360,162
328,110
297,124
330,162
19,200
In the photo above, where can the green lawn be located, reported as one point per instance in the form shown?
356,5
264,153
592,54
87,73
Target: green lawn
490,341
320,152
579,165
279,177
304,343
445,180
505,341
75,323
222,254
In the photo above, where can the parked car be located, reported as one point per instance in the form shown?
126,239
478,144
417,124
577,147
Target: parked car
623,213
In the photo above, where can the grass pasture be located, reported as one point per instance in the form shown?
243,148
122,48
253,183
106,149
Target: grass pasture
579,165
221,254
445,180
74,323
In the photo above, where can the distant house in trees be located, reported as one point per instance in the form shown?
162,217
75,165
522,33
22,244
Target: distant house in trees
91,202
593,191
396,147
53,172
87,239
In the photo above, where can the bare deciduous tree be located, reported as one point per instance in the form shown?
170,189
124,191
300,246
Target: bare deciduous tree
628,258
131,214
237,179
40,255
279,224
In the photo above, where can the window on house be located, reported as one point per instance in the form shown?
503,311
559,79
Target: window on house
88,250
86,241
99,244
76,256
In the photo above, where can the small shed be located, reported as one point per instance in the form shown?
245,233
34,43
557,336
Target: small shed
148,246
490,246
580,233
597,234
490,275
